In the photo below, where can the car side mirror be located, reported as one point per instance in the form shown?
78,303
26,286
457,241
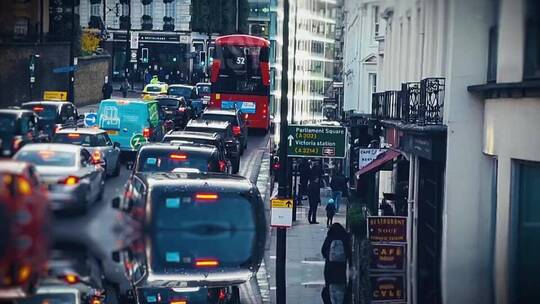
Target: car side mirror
130,165
115,255
116,202
116,145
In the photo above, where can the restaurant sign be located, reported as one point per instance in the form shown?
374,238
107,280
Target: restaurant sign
387,257
387,228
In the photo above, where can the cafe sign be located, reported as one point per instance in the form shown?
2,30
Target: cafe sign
387,228
387,257
388,288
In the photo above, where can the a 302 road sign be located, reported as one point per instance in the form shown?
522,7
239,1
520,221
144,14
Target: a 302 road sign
316,141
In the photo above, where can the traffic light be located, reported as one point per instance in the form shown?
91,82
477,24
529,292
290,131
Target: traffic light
202,58
144,55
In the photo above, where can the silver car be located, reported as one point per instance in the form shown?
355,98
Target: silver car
97,142
74,179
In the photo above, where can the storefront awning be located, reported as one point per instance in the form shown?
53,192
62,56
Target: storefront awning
377,163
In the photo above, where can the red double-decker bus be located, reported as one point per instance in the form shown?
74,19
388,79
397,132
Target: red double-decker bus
240,78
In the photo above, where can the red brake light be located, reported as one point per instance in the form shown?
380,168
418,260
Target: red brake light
222,295
70,181
222,166
177,156
181,109
38,109
206,263
147,132
246,116
178,302
96,300
236,131
74,135
206,196
71,278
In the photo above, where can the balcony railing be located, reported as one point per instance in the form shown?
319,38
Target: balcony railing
419,103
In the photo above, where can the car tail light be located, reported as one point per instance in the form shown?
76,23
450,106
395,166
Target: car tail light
236,131
222,166
246,116
74,135
70,181
38,109
206,197
147,132
16,144
24,273
206,263
23,186
95,300
178,302
181,109
177,156
71,278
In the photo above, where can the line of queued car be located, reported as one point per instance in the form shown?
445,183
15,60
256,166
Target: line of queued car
181,191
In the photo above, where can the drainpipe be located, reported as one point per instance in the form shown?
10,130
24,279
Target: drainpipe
410,206
415,230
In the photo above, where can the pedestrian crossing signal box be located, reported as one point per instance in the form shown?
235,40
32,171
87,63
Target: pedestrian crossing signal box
281,212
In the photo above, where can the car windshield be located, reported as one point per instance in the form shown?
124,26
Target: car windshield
49,298
151,160
173,208
7,124
86,140
48,112
47,157
180,91
168,102
153,89
220,117
203,89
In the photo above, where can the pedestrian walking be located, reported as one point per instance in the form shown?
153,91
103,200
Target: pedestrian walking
330,212
154,80
124,87
303,170
316,170
107,89
339,188
314,197
147,77
336,251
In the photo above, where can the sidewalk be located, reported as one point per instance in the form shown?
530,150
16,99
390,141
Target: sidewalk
305,263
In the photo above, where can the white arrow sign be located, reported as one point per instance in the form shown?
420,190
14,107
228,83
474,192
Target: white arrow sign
290,139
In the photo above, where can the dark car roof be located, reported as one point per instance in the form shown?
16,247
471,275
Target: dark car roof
12,166
185,146
15,112
210,181
220,112
208,124
194,134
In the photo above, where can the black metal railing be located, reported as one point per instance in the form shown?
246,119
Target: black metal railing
417,103
431,101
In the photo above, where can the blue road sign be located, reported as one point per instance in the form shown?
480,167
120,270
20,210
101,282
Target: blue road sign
90,119
65,69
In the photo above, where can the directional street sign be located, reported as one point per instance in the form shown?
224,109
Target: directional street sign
90,119
281,212
316,141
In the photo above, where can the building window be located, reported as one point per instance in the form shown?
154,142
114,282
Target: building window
526,231
532,40
170,14
20,28
376,21
493,42
372,79
148,12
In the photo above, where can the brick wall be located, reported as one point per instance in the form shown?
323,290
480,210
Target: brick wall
89,78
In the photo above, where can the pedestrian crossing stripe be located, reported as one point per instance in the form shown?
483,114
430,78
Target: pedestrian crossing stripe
282,203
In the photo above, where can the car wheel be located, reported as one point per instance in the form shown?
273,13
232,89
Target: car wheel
117,168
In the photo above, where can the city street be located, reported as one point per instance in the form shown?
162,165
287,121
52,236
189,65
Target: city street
103,229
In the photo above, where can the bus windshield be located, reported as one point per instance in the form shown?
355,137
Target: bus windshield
240,70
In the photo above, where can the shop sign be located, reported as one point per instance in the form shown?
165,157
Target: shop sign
388,288
158,38
387,228
387,257
367,156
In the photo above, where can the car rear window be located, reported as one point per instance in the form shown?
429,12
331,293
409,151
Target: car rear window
178,250
173,103
153,89
202,141
49,298
85,140
47,157
206,130
166,161
7,124
48,112
179,91
205,212
220,117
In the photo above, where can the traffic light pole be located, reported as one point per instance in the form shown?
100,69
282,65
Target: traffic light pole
283,191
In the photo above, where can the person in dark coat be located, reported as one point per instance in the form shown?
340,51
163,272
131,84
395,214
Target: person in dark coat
124,87
316,171
336,251
303,170
314,195
339,188
107,89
